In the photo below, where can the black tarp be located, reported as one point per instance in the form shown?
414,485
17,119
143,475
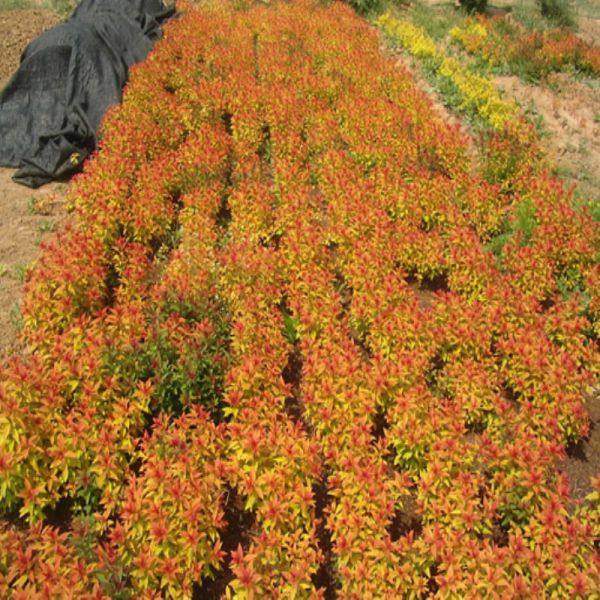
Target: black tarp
51,108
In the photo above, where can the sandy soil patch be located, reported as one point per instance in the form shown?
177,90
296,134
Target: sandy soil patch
17,29
569,111
588,29
583,459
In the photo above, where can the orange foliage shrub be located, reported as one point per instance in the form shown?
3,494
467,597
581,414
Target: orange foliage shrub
293,344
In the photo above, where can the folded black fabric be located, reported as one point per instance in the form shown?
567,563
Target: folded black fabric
51,108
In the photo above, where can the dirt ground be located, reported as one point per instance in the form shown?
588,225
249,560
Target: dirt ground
583,459
17,29
569,110
589,29
26,216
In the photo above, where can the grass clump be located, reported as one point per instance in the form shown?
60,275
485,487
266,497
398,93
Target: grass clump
437,21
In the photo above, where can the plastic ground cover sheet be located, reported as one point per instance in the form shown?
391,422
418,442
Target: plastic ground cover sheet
52,107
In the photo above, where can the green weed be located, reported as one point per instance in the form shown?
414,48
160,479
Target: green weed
290,328
21,271
46,227
559,12
523,224
32,205
16,317
365,7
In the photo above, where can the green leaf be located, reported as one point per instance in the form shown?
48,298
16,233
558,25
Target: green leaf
290,328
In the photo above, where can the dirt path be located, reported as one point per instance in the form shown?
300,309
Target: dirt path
569,110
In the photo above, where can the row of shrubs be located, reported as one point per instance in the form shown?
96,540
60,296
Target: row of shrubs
475,93
296,343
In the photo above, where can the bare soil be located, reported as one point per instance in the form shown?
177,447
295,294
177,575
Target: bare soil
569,110
588,29
583,459
17,29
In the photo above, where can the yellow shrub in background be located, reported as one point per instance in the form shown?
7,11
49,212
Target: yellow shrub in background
413,38
477,93
471,35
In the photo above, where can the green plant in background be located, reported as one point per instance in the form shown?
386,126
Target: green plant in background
594,206
365,7
462,87
528,14
15,5
559,12
474,5
437,21
64,7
